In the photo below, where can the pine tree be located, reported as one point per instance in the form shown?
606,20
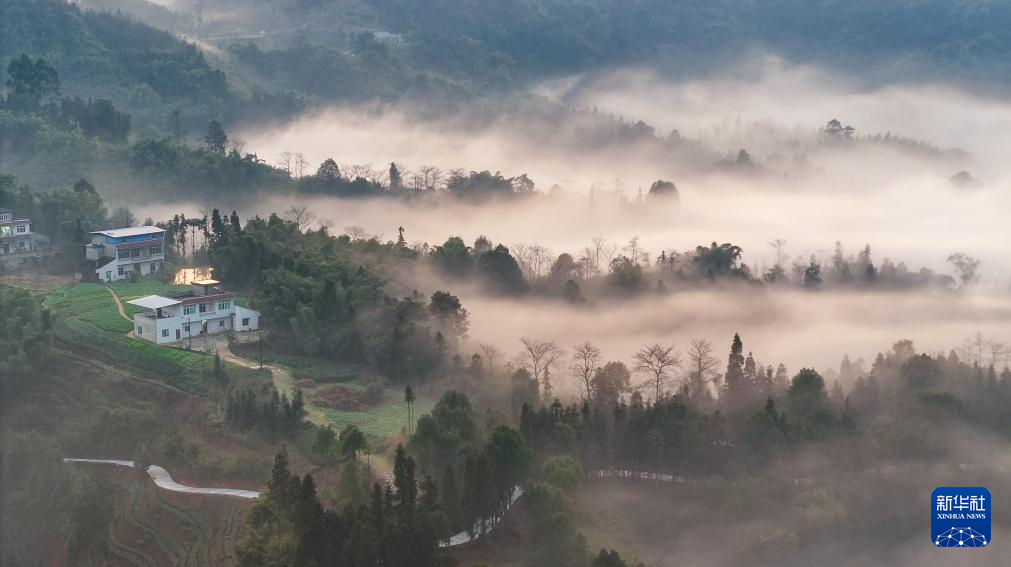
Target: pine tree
216,139
404,481
409,399
737,386
450,498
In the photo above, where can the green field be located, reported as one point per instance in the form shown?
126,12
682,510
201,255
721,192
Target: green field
385,420
85,315
301,367
129,291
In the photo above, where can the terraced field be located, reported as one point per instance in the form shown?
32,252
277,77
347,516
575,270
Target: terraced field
15,546
153,530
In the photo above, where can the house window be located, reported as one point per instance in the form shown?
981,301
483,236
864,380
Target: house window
22,228
203,308
154,267
140,330
189,309
221,324
135,253
120,269
222,305
245,321
21,244
124,254
5,217
155,250
164,332
186,327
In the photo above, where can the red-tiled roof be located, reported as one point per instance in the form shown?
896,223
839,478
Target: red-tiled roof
141,244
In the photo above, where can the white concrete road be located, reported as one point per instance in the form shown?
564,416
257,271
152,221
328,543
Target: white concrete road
163,479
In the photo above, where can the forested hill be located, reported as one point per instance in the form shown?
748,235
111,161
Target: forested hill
494,44
279,52
926,39
145,71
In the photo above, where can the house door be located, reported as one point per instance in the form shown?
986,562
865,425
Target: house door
179,334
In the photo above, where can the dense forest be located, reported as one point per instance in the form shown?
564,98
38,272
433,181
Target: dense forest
499,45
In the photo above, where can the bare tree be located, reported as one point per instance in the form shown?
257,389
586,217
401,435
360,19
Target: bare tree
635,251
659,360
539,258
356,233
588,264
492,356
300,165
431,177
598,247
521,252
972,349
365,171
585,362
285,162
303,217
608,253
538,356
779,245
416,182
237,145
998,351
704,367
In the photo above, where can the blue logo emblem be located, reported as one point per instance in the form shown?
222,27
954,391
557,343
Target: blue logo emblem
960,516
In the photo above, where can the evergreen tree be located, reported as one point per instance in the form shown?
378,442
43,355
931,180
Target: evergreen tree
738,386
29,83
404,481
396,179
216,139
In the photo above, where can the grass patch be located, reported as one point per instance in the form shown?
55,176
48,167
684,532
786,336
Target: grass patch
85,315
301,367
127,290
384,420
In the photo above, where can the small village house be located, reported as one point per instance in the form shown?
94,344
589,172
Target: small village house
15,234
205,309
119,252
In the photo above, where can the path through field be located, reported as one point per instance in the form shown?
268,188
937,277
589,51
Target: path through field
119,306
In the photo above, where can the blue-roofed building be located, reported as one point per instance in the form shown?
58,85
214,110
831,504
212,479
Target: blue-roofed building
119,252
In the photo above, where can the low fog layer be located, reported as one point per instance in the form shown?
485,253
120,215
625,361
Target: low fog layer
796,328
919,220
791,99
898,199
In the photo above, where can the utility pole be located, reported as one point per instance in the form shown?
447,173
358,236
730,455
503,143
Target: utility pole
260,336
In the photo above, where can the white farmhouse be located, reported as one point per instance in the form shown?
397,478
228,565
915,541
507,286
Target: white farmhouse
15,234
205,309
121,251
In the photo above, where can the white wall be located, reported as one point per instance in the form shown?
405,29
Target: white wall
246,313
